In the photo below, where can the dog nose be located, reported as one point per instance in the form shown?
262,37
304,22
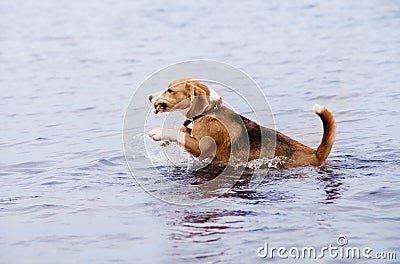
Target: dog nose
150,98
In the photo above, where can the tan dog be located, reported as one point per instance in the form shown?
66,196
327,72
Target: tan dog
224,136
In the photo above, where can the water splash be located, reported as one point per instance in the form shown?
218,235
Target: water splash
275,163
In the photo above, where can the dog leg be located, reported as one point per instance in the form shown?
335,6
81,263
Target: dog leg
204,149
208,148
186,130
167,134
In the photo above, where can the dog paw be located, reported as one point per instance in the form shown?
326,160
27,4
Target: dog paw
164,134
156,134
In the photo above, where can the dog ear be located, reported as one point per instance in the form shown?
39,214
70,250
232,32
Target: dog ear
199,98
196,88
214,99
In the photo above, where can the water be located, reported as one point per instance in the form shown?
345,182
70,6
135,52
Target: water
68,69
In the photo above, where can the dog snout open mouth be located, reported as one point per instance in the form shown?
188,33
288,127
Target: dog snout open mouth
159,107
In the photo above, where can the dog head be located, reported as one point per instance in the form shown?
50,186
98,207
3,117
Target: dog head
189,96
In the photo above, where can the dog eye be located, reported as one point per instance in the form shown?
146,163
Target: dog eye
169,90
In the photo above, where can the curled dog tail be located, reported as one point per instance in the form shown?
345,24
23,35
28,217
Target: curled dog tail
328,138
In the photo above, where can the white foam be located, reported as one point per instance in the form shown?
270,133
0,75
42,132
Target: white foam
275,162
214,95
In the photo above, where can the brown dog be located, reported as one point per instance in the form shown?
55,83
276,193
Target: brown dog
224,136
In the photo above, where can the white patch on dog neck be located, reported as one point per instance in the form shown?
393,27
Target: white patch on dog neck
214,95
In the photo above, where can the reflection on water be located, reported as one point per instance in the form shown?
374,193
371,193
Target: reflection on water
246,186
332,182
204,228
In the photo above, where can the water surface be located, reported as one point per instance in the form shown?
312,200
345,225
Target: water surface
68,69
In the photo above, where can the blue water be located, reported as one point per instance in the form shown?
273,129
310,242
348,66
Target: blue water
68,69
